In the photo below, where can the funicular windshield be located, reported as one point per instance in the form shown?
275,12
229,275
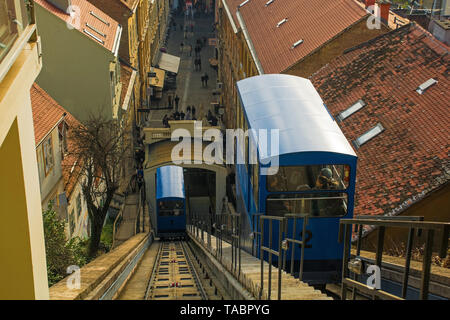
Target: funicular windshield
298,181
169,208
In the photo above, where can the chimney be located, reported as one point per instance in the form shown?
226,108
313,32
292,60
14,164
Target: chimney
369,3
61,4
384,6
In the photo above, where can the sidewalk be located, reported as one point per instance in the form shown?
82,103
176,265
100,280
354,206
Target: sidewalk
189,85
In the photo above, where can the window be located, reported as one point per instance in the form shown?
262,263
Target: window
256,184
170,208
424,86
48,155
79,205
62,129
72,222
351,110
369,135
313,177
326,204
14,19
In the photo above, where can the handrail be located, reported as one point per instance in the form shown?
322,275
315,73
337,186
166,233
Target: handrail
116,223
411,223
138,216
302,242
271,252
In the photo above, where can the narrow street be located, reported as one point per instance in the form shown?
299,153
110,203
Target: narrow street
189,85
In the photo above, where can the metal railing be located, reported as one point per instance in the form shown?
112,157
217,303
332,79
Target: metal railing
235,242
415,225
117,222
271,252
256,233
225,227
293,241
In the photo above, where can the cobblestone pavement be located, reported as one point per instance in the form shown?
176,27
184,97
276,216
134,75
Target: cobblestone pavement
189,85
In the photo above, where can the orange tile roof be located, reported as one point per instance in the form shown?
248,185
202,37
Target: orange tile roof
125,77
314,21
91,21
232,7
47,113
410,158
131,4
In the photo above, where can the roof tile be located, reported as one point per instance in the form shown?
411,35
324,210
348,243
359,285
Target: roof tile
412,155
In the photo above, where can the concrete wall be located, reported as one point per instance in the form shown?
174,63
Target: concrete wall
76,70
432,208
23,269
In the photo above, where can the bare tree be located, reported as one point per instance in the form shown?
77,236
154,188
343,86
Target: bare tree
100,149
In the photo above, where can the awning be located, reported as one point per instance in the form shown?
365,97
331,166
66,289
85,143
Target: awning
169,62
158,80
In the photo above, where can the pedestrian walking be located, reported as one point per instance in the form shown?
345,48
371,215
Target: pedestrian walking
199,62
188,113
193,111
170,101
192,28
190,50
181,47
203,81
206,79
177,99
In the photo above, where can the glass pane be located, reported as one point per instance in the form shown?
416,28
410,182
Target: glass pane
8,28
314,177
331,204
170,208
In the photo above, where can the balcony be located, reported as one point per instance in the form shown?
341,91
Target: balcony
16,28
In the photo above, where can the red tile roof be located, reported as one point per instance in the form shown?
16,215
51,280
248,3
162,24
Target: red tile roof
314,21
47,113
104,28
232,7
410,158
131,4
125,78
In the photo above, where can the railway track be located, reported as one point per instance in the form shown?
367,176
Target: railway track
175,276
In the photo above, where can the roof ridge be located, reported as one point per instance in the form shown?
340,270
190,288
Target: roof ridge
369,42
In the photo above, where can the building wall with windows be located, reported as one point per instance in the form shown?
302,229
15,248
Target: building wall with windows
23,269
49,158
79,72
235,61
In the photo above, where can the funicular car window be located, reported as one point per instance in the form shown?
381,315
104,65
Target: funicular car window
170,208
326,204
312,177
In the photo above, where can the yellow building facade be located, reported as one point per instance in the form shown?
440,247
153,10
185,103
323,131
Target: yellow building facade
235,62
23,270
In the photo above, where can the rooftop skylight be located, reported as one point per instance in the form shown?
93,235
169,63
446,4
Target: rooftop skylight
368,135
96,16
424,86
243,3
93,36
281,22
351,110
299,42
